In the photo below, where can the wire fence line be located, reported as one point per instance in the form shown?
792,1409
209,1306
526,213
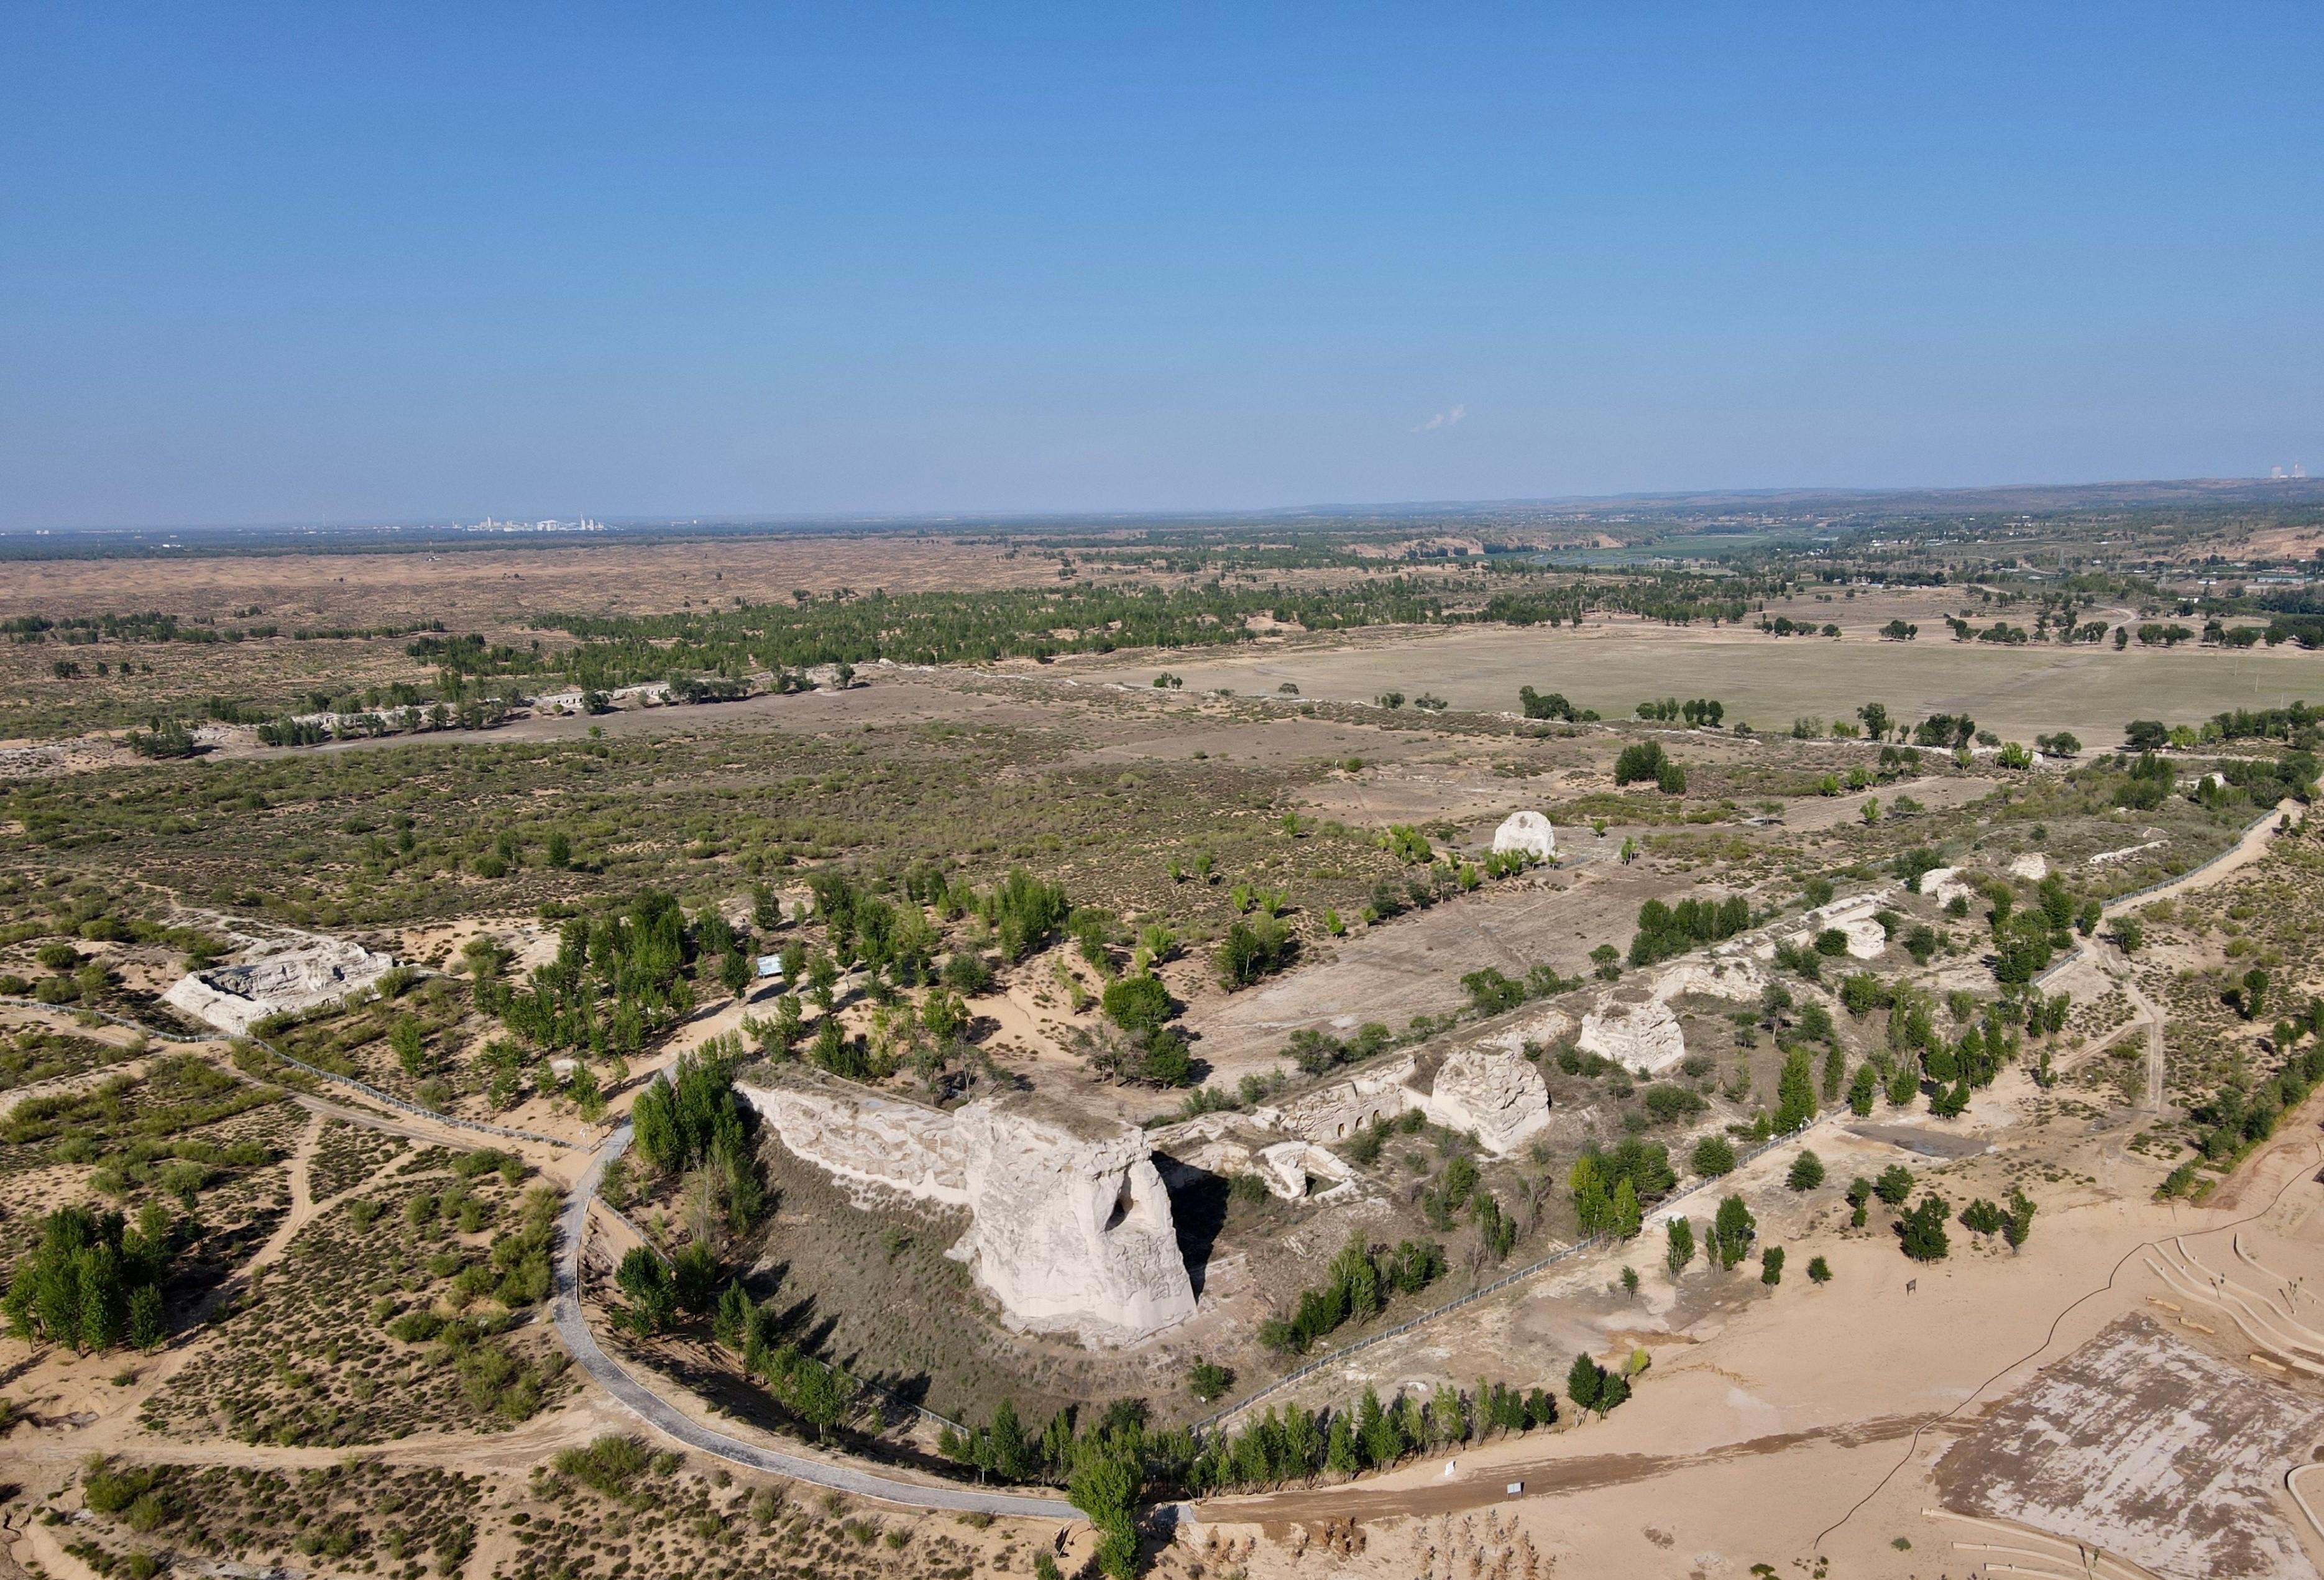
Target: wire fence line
1563,1254
2133,896
374,1093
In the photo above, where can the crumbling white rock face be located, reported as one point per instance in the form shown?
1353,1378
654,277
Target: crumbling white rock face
1543,1024
1853,917
1720,976
2033,867
1070,1234
1866,937
1219,1143
870,1140
1294,1169
234,998
1643,1037
1528,832
1941,883
1336,1111
1498,1096
1224,1144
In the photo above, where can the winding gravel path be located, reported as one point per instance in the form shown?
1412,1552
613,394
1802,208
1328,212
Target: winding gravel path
573,1328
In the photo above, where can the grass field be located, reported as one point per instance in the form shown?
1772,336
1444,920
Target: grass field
2018,692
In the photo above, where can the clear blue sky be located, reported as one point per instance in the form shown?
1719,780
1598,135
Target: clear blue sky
410,262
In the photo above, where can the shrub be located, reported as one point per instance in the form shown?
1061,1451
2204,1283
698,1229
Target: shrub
1138,1003
1253,949
1669,1104
1713,1155
1641,762
609,1464
1807,1171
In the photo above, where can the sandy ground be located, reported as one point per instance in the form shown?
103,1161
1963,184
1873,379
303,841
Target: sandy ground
491,586
1811,1421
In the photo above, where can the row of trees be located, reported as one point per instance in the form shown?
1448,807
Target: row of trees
1111,1462
1296,1444
1667,931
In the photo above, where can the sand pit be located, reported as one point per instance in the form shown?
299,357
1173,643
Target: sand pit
2144,1445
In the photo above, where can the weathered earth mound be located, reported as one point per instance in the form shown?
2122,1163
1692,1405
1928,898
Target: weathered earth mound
234,998
1069,1233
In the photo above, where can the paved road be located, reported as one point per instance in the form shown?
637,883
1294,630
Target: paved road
573,1328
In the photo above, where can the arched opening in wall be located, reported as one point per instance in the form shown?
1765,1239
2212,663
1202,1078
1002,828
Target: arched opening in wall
1123,1200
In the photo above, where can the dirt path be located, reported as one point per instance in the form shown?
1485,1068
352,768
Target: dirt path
2152,1014
1482,1486
304,1210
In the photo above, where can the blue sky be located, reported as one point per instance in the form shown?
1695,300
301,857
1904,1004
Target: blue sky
414,262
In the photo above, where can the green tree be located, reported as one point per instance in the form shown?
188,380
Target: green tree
1771,1265
1680,1249
410,1042
2020,1226
1585,1381
1732,1232
1862,1090
1807,1171
1253,949
1137,1003
1922,1230
1624,1216
89,1281
1795,1098
653,1294
1640,762
1713,1155
1903,1084
1378,1432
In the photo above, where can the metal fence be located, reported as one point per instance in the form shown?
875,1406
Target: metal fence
1564,1253
2076,953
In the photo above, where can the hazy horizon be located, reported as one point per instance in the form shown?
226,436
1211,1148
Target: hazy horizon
2221,489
